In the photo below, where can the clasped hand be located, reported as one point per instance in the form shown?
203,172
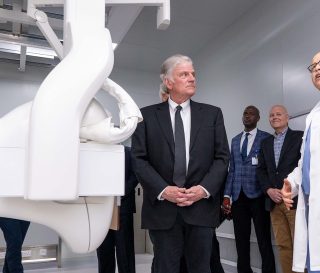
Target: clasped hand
183,197
226,206
275,195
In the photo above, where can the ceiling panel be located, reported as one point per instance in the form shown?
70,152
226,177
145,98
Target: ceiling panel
192,27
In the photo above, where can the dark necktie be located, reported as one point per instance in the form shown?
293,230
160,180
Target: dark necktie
179,172
244,147
306,165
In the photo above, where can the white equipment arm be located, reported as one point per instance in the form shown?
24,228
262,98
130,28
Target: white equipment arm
41,158
104,131
58,108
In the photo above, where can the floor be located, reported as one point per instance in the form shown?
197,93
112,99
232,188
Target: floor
89,265
143,265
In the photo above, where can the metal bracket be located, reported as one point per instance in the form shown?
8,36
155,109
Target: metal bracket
43,23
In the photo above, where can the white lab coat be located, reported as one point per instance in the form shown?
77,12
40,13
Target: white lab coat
295,178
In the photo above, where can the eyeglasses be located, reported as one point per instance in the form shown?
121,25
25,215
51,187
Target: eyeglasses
312,67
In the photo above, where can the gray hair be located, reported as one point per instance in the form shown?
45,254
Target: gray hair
280,106
167,67
162,92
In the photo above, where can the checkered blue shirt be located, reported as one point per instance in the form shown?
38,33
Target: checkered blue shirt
277,144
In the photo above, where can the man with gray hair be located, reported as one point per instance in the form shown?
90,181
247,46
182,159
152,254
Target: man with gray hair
180,155
278,157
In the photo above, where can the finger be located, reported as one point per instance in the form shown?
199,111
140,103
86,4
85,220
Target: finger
192,189
288,206
287,200
185,204
286,195
182,195
275,200
181,200
183,190
194,198
190,195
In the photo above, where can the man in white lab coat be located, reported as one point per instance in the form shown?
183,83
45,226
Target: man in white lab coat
304,182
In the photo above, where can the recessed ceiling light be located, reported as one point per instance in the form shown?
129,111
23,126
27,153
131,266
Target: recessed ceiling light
31,51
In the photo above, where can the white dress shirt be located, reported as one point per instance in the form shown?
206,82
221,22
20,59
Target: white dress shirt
186,120
251,137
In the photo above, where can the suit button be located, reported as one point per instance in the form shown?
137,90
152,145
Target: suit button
277,172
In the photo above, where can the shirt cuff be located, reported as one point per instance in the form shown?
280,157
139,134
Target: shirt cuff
228,197
207,193
160,198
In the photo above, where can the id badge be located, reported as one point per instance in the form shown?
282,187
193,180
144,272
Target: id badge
254,161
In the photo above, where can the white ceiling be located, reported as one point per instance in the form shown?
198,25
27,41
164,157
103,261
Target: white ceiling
193,24
143,47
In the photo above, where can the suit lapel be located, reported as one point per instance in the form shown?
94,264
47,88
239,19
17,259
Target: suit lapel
237,142
270,152
196,121
286,145
163,116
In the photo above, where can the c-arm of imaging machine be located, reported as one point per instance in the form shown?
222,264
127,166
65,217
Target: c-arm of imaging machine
46,174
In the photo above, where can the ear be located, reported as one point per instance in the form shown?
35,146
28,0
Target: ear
168,83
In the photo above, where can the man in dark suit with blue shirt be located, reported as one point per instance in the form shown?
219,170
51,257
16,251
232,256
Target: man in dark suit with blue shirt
181,155
279,156
243,197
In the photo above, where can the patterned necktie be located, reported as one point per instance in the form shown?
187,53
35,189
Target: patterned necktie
244,147
179,172
306,165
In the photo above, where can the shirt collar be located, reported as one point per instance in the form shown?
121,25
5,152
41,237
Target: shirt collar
252,132
281,133
173,104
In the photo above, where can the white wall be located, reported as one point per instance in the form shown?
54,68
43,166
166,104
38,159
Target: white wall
261,60
18,87
142,86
